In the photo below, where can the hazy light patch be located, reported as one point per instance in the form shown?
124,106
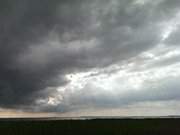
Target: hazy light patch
160,73
108,79
172,53
170,26
79,80
120,82
13,113
135,82
148,55
153,58
145,2
166,52
156,108
53,101
173,103
141,2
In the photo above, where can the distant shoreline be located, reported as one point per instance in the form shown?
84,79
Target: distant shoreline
86,118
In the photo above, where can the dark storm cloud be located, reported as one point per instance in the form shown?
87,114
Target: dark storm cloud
41,41
23,25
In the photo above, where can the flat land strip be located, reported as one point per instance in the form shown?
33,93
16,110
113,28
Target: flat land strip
167,126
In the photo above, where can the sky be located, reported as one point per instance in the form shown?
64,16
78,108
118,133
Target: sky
89,58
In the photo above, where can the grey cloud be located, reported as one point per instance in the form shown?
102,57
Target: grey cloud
24,24
41,41
90,97
166,62
173,39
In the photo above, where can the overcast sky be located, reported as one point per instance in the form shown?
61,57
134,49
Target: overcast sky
90,57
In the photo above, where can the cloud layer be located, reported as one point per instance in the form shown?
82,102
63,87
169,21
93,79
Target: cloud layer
64,56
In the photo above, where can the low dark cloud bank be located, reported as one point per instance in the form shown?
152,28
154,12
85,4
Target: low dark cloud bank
23,25
43,40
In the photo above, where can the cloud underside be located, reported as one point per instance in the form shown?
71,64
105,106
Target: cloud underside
66,56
